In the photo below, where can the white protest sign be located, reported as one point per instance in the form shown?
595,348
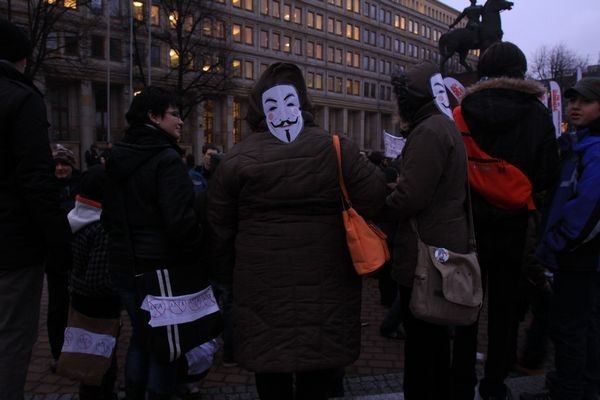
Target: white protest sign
179,309
393,144
454,87
556,106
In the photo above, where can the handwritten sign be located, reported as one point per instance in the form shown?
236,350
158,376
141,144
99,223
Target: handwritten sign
393,144
166,310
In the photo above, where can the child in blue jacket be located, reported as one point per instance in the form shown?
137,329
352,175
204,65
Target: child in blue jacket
570,245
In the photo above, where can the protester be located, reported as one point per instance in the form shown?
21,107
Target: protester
507,121
275,207
570,245
432,190
92,291
201,174
149,216
32,225
92,157
56,275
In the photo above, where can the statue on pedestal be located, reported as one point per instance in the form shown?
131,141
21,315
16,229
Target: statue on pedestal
477,34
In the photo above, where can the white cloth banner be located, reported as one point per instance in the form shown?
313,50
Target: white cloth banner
179,309
556,107
393,144
200,358
79,340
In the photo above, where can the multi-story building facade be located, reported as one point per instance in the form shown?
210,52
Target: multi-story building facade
347,49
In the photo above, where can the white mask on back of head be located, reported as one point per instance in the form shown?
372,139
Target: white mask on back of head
281,105
441,99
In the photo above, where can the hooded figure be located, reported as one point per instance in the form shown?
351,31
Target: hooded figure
275,207
431,190
507,120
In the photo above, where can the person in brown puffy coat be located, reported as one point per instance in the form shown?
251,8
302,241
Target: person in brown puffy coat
432,189
275,208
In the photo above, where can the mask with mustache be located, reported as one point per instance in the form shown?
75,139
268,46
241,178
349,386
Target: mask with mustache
281,105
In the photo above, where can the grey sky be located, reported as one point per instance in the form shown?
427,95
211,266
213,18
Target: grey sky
533,23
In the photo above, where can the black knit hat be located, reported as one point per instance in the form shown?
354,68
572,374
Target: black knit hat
502,59
93,183
14,43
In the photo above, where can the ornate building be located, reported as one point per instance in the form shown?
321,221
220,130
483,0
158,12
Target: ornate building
347,49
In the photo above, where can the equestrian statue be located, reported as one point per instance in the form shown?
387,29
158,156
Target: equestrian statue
478,34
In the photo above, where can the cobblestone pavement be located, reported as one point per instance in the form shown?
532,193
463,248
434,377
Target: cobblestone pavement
375,375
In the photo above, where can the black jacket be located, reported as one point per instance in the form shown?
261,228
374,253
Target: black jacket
149,203
508,121
31,222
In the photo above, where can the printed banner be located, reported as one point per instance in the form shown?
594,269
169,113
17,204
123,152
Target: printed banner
454,87
179,309
393,145
556,106
79,340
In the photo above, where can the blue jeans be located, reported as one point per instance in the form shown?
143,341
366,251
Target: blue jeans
575,331
142,371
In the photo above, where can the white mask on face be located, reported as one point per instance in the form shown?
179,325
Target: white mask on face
441,97
281,105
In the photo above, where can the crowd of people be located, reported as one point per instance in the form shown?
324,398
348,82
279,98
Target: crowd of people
261,227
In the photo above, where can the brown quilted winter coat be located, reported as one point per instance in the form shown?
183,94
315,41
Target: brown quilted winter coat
275,212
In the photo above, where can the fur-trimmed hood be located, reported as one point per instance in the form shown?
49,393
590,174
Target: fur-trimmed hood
497,105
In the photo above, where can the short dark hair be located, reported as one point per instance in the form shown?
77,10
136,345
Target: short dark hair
153,100
209,146
14,42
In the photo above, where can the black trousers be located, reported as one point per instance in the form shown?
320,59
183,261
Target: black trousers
439,361
58,310
309,385
20,293
501,251
575,331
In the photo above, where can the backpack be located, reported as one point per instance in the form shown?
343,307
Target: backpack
499,182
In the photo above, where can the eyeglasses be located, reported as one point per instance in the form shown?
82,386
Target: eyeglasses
176,114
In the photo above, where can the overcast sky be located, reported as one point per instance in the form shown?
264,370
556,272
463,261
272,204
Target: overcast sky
533,23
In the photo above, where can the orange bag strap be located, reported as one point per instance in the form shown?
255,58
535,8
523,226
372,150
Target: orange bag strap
338,152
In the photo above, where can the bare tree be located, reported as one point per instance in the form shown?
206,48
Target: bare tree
43,20
556,63
199,58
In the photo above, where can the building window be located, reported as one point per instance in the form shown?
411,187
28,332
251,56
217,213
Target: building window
297,17
338,85
249,35
330,87
298,46
236,33
276,41
330,23
173,58
138,10
116,52
264,39
97,47
319,81
349,86
248,69
310,49
155,56
338,27
71,44
287,12
319,22
287,44
248,5
72,4
319,51
155,15
276,10
310,76
330,54
264,7
338,56
236,68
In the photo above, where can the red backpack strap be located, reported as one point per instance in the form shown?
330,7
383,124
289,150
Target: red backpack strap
459,120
